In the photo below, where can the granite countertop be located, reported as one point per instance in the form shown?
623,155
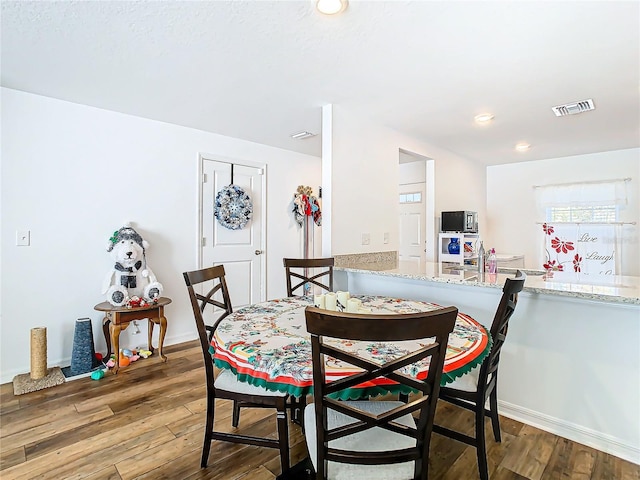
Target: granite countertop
613,288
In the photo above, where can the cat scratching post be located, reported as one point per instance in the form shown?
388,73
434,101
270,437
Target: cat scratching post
40,376
83,356
38,353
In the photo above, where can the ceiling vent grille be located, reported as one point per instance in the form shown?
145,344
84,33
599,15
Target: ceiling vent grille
302,135
573,108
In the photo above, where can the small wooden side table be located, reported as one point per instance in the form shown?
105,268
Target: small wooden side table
117,319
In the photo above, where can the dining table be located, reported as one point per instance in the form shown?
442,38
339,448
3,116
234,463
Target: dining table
267,345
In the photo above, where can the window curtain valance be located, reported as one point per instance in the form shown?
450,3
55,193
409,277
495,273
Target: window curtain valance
583,194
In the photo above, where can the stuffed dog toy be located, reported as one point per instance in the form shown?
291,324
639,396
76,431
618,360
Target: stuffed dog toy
130,276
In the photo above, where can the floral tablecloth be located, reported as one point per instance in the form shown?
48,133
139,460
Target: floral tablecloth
267,345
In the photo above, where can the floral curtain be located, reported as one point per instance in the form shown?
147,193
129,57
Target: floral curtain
585,247
581,248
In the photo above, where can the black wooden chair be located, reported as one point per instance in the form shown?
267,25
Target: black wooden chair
225,384
298,269
374,439
472,390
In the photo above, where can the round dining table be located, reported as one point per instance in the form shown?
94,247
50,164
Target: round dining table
267,345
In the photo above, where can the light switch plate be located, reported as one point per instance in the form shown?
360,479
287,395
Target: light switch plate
23,238
385,238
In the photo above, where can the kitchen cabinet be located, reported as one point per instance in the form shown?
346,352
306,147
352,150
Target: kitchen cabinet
471,239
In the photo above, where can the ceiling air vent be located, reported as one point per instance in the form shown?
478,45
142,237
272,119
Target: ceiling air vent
573,108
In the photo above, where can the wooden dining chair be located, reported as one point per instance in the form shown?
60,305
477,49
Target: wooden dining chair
298,270
226,385
374,439
472,390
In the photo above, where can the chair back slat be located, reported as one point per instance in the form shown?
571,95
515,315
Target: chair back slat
500,324
435,325
215,276
299,268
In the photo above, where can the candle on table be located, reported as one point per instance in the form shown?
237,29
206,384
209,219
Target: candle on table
343,298
330,300
353,305
319,301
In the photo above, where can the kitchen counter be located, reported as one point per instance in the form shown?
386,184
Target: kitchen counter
613,288
570,334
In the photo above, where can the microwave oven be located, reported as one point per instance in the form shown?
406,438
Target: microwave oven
462,221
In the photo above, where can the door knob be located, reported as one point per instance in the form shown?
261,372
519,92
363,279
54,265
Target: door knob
259,252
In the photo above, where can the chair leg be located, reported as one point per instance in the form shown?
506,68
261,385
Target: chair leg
481,447
235,416
495,421
297,410
283,434
206,446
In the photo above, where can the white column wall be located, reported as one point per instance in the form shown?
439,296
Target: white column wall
72,174
364,170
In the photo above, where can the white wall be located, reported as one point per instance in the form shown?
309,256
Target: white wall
364,172
413,171
71,174
511,205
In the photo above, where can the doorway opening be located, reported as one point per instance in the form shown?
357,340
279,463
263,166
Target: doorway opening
416,197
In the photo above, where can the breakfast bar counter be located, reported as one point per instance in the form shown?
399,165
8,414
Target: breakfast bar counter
610,288
571,362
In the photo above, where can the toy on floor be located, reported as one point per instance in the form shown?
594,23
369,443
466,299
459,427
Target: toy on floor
130,279
144,353
127,357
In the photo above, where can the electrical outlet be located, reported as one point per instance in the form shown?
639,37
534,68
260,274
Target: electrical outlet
23,238
366,239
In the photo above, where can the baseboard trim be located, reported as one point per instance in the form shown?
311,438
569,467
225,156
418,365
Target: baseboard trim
576,433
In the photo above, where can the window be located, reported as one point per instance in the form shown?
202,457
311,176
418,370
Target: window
595,213
414,197
581,232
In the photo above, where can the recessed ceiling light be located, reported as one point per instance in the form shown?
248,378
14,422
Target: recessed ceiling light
331,7
483,118
303,134
523,147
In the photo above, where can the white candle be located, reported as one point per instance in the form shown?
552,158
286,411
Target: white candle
343,298
319,301
330,301
353,305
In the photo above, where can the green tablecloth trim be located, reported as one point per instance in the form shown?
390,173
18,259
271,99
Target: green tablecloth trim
451,376
259,382
352,393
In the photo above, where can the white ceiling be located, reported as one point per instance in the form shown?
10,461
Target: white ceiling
261,70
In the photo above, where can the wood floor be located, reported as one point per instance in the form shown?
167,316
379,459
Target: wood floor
147,423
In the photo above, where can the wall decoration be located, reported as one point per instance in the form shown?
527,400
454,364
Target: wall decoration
233,207
305,204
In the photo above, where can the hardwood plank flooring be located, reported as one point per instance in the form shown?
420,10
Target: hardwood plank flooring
147,423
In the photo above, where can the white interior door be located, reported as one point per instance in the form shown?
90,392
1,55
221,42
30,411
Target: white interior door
240,251
412,222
